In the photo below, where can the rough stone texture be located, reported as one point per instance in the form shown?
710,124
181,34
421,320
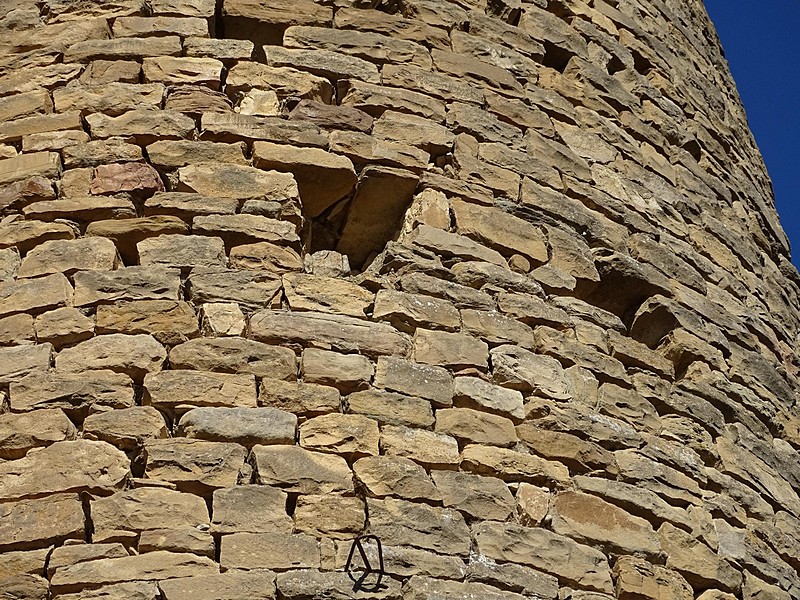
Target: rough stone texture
499,281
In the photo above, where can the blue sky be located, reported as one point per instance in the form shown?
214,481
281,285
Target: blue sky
762,44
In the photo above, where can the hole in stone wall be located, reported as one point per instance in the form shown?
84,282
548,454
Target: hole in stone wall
555,57
372,218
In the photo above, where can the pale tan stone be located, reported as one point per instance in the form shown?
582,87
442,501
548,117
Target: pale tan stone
245,426
38,523
425,447
22,432
234,355
391,409
510,465
248,551
326,294
134,355
229,585
636,577
330,515
555,554
251,509
69,466
63,326
126,428
45,164
343,434
141,509
74,393
195,466
182,71
149,566
476,427
18,361
295,469
68,256
323,178
398,522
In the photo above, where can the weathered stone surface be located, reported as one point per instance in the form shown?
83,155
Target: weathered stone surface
399,522
134,355
326,294
391,409
75,393
27,587
698,564
234,355
322,178
330,515
149,566
22,432
451,245
476,427
143,126
527,372
409,311
477,497
245,426
126,428
252,509
345,334
251,290
300,398
549,552
279,551
425,447
63,326
188,388
510,465
182,71
418,588
69,466
424,381
182,251
300,585
224,586
455,350
223,127
29,524
45,164
394,476
295,469
346,372
472,392
636,577
354,435
112,98
593,521
18,361
167,320
141,509
128,283
195,466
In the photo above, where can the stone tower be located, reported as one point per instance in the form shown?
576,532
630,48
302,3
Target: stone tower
499,282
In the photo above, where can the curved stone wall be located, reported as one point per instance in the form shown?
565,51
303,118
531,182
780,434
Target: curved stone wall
499,282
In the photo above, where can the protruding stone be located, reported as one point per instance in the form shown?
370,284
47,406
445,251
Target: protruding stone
295,469
195,466
245,426
251,509
22,432
69,466
134,355
29,524
343,434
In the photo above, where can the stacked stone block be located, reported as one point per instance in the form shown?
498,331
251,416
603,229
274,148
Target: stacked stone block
500,282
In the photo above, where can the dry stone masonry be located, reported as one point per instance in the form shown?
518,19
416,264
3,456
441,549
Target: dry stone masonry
499,282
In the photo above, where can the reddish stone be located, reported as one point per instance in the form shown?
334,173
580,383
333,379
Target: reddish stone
126,177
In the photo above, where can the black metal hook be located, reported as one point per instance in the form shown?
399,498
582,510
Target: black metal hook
358,582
